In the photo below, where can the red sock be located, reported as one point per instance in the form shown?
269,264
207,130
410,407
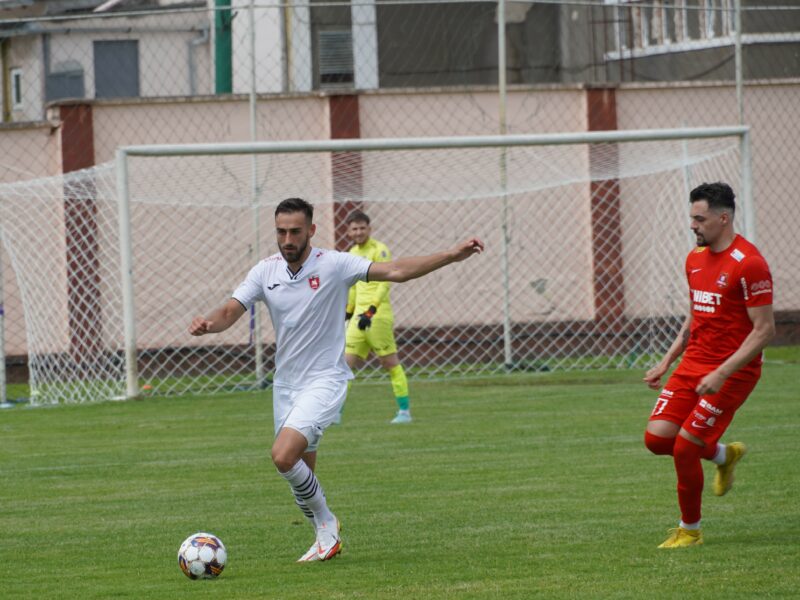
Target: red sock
690,478
657,444
708,451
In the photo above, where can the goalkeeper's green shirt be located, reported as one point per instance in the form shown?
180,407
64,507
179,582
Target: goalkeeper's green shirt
371,293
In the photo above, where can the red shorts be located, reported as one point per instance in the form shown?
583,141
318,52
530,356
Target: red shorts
705,417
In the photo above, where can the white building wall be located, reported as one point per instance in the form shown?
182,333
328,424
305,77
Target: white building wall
26,53
268,48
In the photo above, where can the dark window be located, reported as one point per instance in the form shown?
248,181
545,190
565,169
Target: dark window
116,69
66,81
16,87
335,58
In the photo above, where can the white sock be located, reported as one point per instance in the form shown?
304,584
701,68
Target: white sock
690,526
307,489
301,504
721,455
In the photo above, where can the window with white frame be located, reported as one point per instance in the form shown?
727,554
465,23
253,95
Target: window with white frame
655,26
16,87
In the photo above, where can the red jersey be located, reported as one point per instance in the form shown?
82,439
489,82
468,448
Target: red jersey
722,286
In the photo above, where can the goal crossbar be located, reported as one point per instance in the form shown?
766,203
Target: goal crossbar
422,143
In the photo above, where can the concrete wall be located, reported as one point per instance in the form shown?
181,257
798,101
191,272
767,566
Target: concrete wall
182,37
27,151
535,225
774,172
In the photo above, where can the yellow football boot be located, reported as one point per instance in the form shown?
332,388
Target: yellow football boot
680,537
723,480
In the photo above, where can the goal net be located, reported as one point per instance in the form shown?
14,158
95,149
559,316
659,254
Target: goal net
583,268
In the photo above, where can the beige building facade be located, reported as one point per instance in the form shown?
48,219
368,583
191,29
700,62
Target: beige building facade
309,117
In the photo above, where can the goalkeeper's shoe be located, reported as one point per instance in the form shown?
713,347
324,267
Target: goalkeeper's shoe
723,480
680,538
402,416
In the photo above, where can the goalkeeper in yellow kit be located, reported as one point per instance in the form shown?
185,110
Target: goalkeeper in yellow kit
371,317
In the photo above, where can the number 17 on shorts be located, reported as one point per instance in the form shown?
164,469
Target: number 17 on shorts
661,402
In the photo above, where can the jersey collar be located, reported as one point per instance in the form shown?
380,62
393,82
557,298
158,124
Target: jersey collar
303,268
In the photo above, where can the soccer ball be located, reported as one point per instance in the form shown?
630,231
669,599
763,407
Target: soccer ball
202,556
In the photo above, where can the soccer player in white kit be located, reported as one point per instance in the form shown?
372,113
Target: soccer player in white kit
305,290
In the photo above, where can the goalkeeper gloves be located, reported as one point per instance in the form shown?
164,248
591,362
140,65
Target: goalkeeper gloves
365,318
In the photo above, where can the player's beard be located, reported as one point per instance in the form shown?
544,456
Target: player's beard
293,255
701,241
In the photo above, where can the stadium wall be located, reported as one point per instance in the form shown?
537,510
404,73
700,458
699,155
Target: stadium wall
18,141
384,114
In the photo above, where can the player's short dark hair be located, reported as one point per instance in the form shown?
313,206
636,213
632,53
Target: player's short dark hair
719,196
293,205
357,216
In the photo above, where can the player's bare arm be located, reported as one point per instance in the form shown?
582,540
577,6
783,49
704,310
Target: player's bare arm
219,319
404,269
763,331
653,377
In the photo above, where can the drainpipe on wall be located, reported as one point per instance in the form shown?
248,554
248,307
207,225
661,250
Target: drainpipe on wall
191,45
286,47
5,74
223,47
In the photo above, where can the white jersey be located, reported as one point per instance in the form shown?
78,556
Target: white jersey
307,310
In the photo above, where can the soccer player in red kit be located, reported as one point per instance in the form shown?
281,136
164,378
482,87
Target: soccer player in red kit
730,322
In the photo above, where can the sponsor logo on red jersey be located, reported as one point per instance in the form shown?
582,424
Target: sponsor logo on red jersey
761,287
701,422
706,301
737,255
710,407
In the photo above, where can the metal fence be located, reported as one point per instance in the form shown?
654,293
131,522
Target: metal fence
190,51
181,72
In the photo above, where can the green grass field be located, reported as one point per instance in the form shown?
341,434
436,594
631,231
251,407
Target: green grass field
532,485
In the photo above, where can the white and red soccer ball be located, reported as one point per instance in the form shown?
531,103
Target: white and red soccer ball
202,556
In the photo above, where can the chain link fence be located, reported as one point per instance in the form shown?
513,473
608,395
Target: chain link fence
589,274
80,79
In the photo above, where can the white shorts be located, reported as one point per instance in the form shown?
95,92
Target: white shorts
309,409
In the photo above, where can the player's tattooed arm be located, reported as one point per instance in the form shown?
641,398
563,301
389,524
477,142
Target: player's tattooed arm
653,377
685,333
763,331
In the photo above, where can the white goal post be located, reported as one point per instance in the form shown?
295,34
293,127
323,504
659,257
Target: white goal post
586,234
372,145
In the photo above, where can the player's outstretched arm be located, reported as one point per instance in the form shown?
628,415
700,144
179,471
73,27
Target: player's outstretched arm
403,269
653,377
219,319
763,331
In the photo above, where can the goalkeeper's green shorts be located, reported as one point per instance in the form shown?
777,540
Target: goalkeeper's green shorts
379,338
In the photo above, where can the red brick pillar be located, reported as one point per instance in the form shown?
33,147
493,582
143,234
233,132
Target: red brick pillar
609,284
347,182
80,221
